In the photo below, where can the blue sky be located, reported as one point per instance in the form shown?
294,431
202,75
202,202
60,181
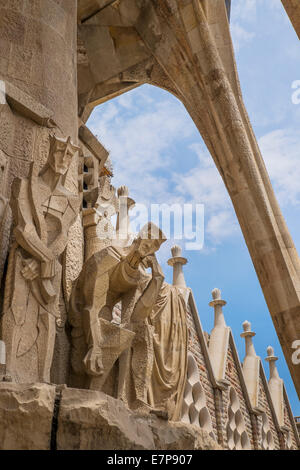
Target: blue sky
158,153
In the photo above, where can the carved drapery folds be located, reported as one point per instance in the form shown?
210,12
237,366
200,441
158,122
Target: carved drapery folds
43,211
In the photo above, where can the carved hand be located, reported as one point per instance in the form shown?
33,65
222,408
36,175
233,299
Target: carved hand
151,262
31,269
93,362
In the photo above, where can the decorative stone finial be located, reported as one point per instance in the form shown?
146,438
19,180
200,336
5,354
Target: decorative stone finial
217,300
217,303
247,333
246,326
216,294
275,385
177,261
219,336
271,357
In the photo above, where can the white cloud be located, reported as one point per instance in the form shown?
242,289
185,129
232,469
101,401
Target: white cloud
143,136
240,36
246,14
141,140
248,10
203,184
221,225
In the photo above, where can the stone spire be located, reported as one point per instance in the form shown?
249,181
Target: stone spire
251,365
275,385
248,335
177,261
219,338
123,230
217,303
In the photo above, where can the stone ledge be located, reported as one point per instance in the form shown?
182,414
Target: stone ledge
43,417
91,420
26,413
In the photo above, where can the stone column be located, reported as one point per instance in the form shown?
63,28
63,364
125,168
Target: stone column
38,79
123,230
38,87
38,56
177,261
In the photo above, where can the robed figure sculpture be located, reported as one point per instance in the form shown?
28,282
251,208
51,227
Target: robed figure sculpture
43,212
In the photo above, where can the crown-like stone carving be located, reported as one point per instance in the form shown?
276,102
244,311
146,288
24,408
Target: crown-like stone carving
123,191
123,229
176,251
177,261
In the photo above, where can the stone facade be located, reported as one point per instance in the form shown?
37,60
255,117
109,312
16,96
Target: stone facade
78,308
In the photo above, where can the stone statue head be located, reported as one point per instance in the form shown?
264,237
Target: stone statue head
149,240
61,154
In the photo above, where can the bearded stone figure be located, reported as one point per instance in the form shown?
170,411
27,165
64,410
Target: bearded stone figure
43,212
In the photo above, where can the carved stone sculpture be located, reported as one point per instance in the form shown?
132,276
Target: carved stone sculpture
170,339
142,360
107,277
43,211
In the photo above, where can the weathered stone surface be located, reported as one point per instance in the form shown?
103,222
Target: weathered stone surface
26,413
90,420
188,40
181,436
43,212
87,420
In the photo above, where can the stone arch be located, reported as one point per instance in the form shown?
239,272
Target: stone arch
187,50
